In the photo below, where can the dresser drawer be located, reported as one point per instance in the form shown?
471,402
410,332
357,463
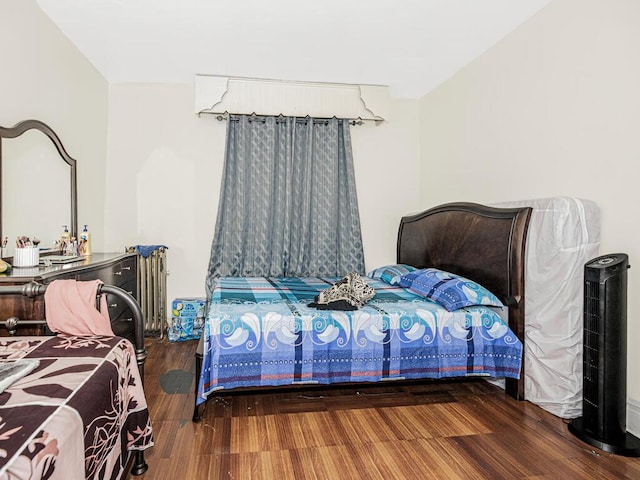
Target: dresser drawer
23,308
130,287
118,310
122,273
121,318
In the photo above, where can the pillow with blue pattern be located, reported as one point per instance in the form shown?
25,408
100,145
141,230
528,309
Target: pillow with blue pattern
390,273
448,289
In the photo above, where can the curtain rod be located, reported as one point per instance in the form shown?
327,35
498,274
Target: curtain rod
220,116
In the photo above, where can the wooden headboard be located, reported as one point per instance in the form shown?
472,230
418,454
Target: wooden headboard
484,244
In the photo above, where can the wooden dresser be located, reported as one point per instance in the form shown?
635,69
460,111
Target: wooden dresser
118,269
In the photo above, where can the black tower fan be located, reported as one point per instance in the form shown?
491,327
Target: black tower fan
604,359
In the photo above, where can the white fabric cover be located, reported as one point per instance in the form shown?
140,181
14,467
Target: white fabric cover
564,234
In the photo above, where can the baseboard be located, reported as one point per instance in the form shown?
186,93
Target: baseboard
633,417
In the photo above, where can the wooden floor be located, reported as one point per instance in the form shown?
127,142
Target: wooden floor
434,431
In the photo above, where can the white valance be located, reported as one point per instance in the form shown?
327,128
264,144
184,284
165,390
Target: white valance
216,94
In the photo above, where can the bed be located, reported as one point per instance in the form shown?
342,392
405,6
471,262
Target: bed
261,332
79,409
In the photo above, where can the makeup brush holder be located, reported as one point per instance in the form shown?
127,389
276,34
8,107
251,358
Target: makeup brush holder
26,257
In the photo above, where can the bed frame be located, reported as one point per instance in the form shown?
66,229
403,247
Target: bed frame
482,243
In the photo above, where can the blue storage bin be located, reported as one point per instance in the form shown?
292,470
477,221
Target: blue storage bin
187,319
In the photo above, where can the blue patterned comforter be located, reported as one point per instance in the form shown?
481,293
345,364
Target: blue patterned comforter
260,332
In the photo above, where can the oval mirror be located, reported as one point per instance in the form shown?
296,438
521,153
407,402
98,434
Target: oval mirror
38,185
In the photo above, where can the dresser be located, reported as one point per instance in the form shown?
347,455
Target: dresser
117,269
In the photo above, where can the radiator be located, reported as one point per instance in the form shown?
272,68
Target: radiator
152,291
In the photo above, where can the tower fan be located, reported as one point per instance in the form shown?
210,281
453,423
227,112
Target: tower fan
604,359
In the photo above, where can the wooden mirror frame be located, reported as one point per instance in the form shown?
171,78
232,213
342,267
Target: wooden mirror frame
26,125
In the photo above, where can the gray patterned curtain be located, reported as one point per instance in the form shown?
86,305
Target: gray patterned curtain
288,203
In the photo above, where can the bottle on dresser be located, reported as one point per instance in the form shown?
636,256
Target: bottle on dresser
84,248
65,240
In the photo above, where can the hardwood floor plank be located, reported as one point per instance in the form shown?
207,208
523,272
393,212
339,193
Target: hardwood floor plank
437,460
333,462
318,429
451,419
394,460
164,430
261,465
291,432
486,454
254,434
405,422
364,426
213,436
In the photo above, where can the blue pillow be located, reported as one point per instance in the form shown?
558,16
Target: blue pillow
448,289
391,273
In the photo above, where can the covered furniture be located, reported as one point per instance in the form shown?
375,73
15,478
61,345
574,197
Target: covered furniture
564,234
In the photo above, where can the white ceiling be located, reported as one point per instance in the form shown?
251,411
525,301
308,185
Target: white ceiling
410,45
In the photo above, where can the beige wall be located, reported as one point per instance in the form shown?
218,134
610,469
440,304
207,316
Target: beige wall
163,175
386,165
165,164
45,77
553,109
